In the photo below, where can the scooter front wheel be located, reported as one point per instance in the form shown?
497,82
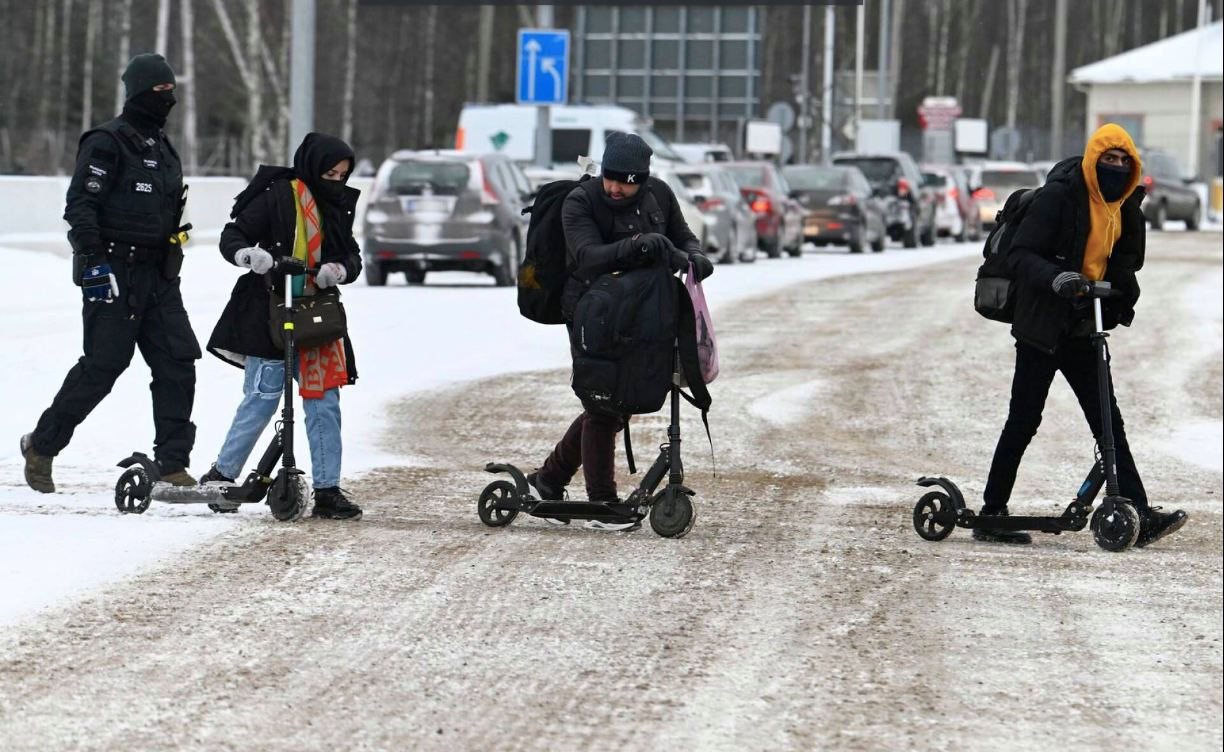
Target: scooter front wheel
133,492
672,514
925,523
1115,525
288,496
494,501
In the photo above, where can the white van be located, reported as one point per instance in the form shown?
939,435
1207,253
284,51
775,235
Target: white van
577,130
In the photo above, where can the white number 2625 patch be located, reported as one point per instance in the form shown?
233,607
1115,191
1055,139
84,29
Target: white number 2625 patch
144,187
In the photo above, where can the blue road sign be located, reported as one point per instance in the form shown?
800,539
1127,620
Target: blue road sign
543,66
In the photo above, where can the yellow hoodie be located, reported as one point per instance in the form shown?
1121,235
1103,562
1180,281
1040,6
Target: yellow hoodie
1106,216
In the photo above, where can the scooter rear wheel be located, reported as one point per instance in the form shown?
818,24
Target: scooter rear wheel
497,492
925,524
133,491
672,514
1115,525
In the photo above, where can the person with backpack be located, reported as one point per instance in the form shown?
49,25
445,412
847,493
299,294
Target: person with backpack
1083,225
305,212
623,221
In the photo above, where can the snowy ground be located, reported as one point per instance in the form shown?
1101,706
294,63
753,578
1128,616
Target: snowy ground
801,613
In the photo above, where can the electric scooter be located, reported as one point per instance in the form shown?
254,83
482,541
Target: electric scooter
670,510
287,492
1115,524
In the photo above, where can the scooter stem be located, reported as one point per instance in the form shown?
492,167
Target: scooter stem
287,458
1108,450
675,468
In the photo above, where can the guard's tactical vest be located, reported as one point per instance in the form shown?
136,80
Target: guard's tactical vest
141,208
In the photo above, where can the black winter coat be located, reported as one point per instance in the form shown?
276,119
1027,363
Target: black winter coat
269,220
1050,240
598,238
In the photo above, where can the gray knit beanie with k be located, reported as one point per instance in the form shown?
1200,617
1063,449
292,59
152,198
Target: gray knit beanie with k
626,158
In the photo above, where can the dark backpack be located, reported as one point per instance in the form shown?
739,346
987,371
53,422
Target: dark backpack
544,269
994,294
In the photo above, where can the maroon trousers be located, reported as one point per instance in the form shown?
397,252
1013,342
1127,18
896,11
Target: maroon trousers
590,442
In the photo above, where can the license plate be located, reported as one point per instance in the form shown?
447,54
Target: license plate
426,206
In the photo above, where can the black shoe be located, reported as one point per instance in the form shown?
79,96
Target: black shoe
332,504
545,491
37,466
1157,524
214,476
1015,537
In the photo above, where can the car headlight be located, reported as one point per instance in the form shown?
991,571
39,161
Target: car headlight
377,216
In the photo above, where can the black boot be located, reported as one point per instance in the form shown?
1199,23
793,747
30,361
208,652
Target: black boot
1016,537
545,491
332,504
1157,524
214,476
37,466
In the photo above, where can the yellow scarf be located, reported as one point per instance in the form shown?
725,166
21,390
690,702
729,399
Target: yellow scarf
1106,216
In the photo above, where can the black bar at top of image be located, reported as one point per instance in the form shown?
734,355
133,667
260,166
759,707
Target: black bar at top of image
408,3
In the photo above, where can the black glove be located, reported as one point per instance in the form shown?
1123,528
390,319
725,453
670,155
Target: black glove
654,246
702,266
1071,284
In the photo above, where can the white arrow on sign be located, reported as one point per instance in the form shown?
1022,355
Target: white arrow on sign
549,65
533,49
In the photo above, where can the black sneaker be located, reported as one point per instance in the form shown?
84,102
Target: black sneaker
1157,524
214,476
332,504
1014,537
545,492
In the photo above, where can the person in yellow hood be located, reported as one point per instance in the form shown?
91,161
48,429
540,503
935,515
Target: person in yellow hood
1083,225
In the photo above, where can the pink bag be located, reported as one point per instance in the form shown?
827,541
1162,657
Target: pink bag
707,345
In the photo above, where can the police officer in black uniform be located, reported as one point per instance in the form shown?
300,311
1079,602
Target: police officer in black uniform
124,207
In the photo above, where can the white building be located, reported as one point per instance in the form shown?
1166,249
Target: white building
1148,91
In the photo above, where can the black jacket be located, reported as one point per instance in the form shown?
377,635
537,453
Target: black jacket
599,239
1050,240
269,220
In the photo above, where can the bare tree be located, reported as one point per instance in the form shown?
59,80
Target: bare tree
125,48
190,145
350,69
484,44
894,55
163,26
988,88
246,71
1017,14
93,20
945,26
431,49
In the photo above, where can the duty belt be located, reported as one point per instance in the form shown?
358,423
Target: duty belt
133,254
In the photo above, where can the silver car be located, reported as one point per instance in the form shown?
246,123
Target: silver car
730,223
445,211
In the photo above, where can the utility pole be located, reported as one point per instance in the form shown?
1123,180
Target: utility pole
803,96
301,76
858,67
1196,93
1058,77
826,107
543,140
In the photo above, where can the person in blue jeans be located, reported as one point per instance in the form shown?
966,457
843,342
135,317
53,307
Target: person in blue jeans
306,212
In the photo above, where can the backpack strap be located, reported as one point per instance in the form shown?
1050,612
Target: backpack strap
629,447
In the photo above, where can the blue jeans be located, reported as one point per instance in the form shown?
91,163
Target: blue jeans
262,386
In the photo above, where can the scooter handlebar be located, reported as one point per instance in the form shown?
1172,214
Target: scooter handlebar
1102,289
289,265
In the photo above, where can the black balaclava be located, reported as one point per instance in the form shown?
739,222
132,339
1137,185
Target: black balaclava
147,108
318,154
1113,181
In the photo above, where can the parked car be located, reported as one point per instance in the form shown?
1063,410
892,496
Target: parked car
445,211
948,220
730,223
895,178
688,206
994,181
1168,194
779,218
1042,169
702,153
966,203
840,206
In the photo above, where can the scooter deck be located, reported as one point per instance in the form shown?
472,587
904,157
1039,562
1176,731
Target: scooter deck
1053,525
582,510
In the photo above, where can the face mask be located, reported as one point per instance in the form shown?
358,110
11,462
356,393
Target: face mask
155,104
330,191
1113,181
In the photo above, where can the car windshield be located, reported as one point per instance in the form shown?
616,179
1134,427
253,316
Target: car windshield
1009,180
815,179
443,178
661,148
692,180
934,179
876,169
748,176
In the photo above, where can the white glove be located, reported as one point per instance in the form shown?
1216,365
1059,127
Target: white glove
254,258
330,275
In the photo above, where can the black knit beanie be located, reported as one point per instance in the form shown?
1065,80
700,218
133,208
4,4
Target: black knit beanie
626,158
143,72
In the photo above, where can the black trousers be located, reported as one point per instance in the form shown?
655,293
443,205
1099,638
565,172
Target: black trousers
1035,370
590,442
148,314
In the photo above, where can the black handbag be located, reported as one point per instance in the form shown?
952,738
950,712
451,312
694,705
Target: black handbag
318,319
